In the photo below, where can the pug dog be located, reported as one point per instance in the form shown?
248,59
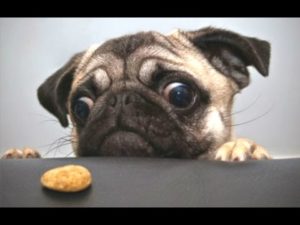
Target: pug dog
151,95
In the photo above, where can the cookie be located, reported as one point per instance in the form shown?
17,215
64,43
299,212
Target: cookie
69,178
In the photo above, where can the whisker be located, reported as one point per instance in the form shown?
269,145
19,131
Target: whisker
46,118
70,153
58,143
247,107
256,118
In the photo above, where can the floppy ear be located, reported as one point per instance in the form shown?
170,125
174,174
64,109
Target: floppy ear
231,53
53,93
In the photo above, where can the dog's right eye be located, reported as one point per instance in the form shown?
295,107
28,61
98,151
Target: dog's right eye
82,107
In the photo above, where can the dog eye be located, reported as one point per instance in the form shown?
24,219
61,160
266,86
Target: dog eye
82,107
179,94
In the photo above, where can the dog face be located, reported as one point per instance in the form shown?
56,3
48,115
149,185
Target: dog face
153,95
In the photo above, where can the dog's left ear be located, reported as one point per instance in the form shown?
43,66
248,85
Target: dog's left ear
53,93
231,53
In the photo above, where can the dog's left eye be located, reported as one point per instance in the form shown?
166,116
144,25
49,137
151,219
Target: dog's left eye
82,107
179,94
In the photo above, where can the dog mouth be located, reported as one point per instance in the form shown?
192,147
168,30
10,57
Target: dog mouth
126,143
132,143
138,141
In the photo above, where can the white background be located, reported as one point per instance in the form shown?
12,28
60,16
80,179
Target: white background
32,49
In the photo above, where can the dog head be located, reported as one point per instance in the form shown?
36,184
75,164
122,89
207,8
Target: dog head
153,95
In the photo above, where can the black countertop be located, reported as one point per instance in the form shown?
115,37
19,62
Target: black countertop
156,182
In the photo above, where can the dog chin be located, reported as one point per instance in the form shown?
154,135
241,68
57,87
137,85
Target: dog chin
135,144
116,141
126,143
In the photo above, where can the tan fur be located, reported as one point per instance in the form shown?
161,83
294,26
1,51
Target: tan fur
187,59
115,72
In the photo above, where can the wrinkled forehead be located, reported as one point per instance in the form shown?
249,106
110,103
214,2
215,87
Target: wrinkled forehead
126,54
137,56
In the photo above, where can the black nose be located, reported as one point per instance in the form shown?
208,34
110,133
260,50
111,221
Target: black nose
124,99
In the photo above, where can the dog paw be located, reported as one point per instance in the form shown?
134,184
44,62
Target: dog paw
240,150
20,154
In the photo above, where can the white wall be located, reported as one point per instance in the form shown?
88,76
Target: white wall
31,49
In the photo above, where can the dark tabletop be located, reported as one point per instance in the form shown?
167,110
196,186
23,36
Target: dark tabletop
156,182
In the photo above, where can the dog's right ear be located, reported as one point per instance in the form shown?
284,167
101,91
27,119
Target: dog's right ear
54,92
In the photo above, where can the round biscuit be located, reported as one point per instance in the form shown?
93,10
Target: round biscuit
69,178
